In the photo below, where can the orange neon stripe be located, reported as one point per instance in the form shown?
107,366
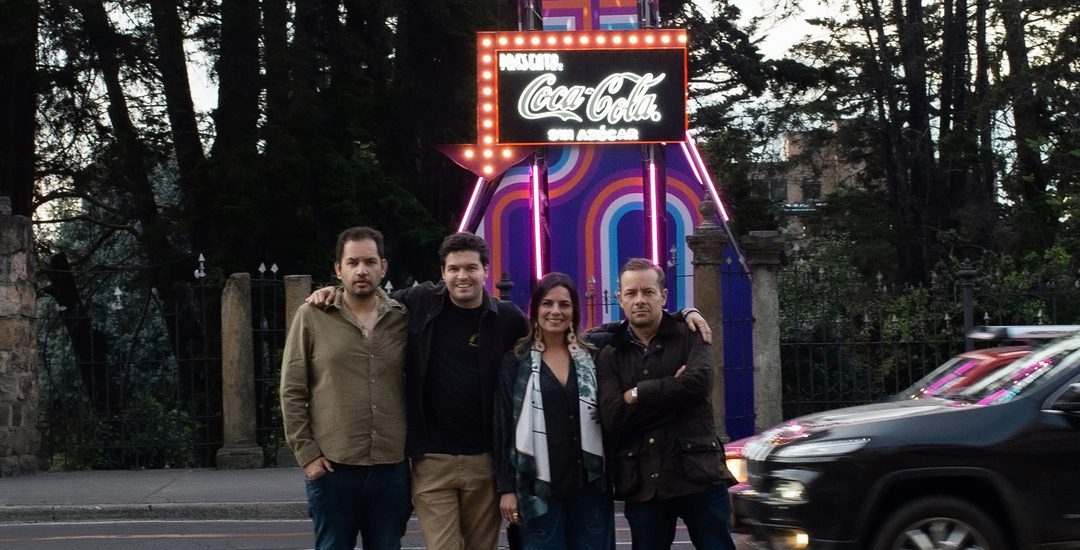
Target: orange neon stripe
591,220
496,229
591,217
587,154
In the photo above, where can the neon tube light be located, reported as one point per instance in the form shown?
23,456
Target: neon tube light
693,165
654,228
707,179
472,204
538,249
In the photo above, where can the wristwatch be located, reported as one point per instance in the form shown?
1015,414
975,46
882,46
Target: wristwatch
633,393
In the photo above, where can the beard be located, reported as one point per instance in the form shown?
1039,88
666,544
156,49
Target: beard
362,292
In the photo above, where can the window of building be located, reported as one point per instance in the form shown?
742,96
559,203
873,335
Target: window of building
778,190
811,191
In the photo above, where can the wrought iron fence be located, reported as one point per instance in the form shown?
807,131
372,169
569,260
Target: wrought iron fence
126,383
847,343
268,331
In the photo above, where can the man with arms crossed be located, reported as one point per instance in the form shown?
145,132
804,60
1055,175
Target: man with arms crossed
343,403
654,383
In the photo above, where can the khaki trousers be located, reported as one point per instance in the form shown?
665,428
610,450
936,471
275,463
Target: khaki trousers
454,496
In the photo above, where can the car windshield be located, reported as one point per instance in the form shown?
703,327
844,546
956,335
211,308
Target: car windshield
1022,375
940,380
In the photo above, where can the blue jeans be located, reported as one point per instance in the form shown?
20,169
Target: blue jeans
372,501
706,514
586,522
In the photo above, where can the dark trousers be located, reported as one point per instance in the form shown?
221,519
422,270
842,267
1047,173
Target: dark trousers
372,501
706,514
586,522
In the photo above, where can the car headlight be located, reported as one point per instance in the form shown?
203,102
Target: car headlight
737,467
790,490
812,449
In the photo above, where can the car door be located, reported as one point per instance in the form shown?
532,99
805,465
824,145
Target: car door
1057,451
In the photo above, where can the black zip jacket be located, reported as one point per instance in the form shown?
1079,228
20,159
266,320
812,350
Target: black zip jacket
501,324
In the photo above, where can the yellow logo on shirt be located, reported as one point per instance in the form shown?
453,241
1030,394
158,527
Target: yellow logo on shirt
474,340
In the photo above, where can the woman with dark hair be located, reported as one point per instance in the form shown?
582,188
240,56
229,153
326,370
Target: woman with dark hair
549,453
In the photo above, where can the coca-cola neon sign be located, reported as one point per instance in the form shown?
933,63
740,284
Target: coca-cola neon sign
581,87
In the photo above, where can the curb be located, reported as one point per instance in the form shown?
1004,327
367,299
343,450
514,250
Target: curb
156,511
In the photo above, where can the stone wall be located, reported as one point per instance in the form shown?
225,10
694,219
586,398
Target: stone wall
19,438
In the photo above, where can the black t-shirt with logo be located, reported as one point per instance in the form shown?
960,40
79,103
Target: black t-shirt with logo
453,403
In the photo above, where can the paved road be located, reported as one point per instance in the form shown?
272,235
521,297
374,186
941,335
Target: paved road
224,534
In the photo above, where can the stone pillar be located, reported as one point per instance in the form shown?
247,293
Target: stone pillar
763,250
238,377
19,437
297,288
707,243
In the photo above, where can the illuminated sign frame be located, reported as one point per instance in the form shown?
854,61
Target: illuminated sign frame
491,44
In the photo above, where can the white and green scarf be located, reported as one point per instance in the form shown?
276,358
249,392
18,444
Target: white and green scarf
530,454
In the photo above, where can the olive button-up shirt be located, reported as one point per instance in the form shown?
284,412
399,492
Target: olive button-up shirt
343,391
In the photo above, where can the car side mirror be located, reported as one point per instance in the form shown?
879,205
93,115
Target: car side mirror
1070,400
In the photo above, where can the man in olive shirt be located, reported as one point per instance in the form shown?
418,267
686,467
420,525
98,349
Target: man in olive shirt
343,403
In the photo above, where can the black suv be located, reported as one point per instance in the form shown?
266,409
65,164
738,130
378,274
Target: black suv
994,465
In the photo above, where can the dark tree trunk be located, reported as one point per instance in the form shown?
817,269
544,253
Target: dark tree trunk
276,63
1037,223
190,159
234,155
104,42
917,145
237,114
983,189
957,142
91,345
18,96
307,49
170,269
894,143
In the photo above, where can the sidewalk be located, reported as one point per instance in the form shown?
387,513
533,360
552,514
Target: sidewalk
267,493
205,493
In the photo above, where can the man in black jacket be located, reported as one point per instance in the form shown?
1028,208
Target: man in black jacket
457,337
654,384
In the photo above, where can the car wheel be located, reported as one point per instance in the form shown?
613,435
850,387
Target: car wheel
937,523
